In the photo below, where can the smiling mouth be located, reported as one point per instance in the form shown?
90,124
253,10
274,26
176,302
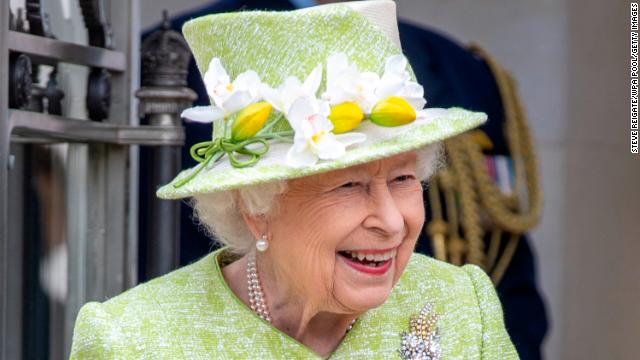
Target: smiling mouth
369,259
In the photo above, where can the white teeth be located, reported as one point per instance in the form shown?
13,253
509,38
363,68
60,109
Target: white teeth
372,257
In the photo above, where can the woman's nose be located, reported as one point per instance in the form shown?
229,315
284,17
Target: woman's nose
384,215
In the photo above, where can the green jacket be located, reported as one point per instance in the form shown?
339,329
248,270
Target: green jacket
192,314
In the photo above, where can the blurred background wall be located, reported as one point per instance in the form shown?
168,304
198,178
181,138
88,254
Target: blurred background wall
571,60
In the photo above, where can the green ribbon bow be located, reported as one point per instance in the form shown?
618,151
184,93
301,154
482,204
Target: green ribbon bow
208,152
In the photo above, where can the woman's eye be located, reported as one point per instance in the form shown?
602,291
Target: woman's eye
403,178
349,185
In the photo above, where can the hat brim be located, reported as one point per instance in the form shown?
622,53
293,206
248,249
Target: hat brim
439,125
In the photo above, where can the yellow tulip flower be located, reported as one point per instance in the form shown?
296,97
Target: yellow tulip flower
345,117
250,120
393,111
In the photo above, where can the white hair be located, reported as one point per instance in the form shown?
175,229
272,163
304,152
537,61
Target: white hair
219,214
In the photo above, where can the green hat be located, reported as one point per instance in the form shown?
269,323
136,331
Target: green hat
303,92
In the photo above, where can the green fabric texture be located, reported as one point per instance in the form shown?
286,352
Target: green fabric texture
192,314
281,44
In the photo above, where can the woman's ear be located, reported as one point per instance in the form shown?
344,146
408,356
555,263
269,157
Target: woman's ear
257,224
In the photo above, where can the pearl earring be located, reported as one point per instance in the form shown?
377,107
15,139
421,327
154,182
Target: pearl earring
262,244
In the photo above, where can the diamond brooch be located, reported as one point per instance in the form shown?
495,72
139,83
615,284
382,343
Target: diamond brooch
422,342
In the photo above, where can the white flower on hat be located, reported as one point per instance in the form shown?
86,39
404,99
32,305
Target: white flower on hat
228,97
313,139
345,83
396,81
291,89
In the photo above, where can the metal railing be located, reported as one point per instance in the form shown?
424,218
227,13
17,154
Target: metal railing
101,205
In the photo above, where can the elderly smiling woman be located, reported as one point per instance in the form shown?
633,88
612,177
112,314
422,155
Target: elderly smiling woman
314,186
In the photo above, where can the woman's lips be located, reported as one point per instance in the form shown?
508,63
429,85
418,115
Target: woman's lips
380,269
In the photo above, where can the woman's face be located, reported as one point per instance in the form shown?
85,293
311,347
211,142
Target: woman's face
342,239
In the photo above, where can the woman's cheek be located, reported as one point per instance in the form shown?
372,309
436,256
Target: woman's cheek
402,259
342,212
409,200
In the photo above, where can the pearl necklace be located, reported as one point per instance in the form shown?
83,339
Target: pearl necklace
256,295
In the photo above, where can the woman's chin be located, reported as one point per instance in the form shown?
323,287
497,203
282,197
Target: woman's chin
360,288
364,299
